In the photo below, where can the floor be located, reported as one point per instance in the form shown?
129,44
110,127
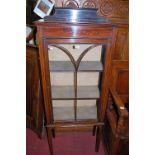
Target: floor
76,143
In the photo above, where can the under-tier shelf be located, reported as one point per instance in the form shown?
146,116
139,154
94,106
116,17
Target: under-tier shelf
67,113
67,92
57,66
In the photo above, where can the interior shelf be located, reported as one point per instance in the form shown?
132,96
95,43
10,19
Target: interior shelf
67,113
57,66
67,92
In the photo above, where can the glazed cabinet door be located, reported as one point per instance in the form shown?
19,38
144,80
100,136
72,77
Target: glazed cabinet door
76,97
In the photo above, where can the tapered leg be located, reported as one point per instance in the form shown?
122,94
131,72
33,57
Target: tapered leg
94,130
53,133
98,138
49,136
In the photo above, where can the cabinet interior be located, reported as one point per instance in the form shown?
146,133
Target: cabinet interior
75,75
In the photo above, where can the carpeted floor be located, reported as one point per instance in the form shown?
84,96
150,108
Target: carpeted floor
76,143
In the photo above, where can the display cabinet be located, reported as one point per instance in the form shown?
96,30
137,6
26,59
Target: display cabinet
75,50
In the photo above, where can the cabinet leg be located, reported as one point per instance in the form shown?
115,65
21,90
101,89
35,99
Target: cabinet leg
98,138
49,136
53,133
94,130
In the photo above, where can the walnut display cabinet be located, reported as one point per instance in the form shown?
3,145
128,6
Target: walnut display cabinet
75,47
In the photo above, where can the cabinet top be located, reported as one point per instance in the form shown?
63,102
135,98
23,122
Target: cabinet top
75,16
